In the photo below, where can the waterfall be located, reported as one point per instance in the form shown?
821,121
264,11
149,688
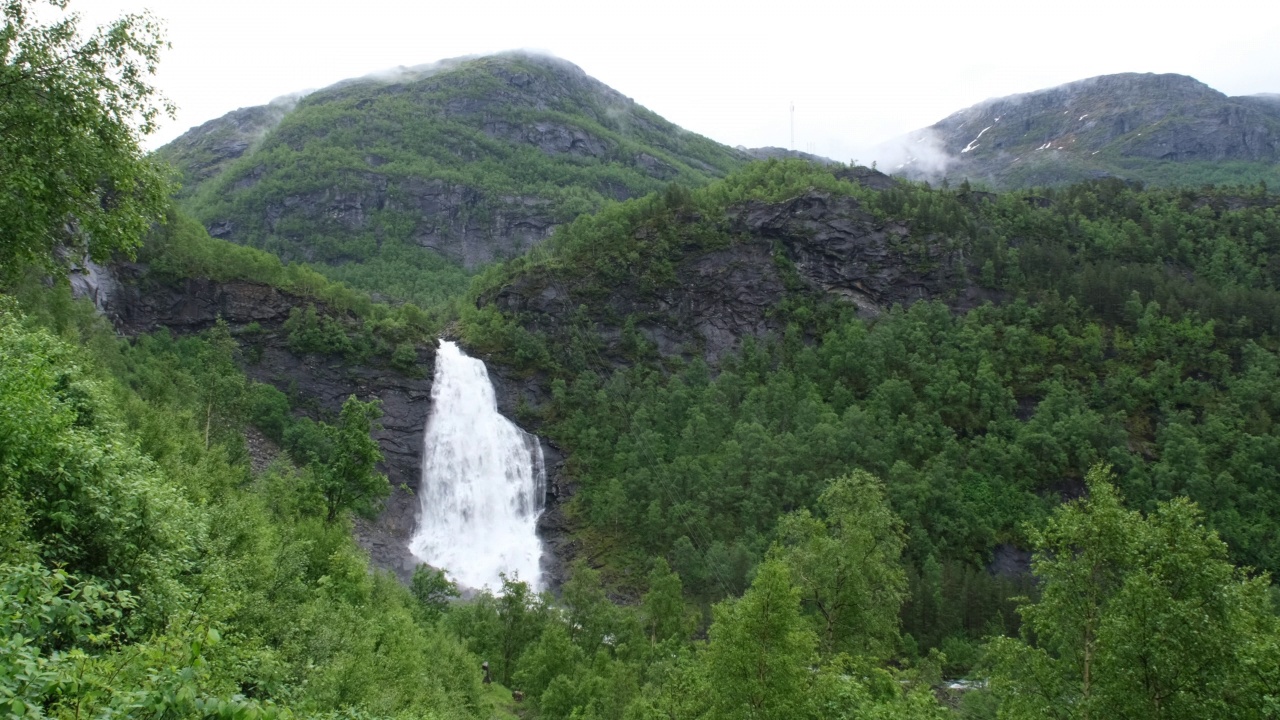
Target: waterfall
483,482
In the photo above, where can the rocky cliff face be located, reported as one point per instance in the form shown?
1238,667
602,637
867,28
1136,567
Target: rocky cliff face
457,221
1105,125
721,297
839,248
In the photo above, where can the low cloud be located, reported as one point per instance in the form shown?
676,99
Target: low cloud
919,155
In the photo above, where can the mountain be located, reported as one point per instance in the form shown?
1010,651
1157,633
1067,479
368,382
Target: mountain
1167,129
470,160
777,153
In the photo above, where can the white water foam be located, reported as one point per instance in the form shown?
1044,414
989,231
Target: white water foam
483,482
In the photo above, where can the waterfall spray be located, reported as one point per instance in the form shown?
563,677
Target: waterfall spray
483,482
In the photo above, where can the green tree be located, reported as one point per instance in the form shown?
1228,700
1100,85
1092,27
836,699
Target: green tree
761,651
847,565
591,615
223,388
72,112
348,479
433,590
522,617
553,655
662,608
1140,617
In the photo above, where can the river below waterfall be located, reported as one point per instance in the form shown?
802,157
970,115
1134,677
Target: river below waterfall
483,482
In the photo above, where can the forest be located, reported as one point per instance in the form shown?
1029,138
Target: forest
808,526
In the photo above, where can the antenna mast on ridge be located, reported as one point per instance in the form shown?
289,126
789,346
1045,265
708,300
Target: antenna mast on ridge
793,124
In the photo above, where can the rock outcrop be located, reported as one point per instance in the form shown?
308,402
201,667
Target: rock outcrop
720,297
459,222
838,247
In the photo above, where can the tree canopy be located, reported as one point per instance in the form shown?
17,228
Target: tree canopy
73,109
1139,617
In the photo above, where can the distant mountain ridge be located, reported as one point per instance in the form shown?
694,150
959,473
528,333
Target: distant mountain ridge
1151,127
777,153
469,160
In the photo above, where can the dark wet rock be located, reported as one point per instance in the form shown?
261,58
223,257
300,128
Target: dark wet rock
94,282
839,248
1010,561
719,299
557,531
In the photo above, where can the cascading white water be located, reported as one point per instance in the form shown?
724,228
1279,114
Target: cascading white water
483,482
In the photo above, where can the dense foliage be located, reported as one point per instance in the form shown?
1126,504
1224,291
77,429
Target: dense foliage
1139,617
1121,340
72,111
147,574
801,526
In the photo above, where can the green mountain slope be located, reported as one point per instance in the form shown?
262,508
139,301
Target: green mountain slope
469,160
1166,129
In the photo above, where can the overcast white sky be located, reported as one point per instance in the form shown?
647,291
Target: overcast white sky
859,73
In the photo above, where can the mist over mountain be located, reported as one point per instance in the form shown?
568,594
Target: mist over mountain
1166,129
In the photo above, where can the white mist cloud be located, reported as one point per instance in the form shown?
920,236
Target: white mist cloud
919,154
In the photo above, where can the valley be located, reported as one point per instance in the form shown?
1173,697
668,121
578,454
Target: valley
482,361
